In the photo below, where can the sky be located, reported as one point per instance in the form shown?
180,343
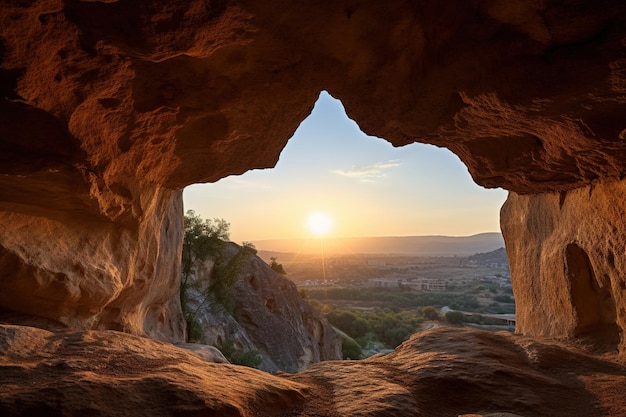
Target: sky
348,184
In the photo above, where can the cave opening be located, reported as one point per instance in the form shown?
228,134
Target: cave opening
367,186
369,190
593,301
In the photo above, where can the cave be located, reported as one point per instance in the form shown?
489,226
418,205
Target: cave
110,108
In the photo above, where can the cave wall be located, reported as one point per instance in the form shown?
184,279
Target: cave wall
566,254
88,272
108,108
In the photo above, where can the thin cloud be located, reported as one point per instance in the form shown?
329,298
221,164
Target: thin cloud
369,173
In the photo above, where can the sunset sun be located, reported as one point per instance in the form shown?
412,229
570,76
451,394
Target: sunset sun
320,223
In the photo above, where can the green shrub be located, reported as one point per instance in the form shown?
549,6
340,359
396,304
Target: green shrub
350,349
430,313
250,358
455,317
195,331
504,299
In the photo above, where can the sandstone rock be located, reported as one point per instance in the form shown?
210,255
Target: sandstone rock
109,373
90,272
491,415
441,372
269,316
566,254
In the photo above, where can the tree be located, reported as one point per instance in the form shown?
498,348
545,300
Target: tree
394,336
276,266
201,239
204,239
455,317
430,313
360,327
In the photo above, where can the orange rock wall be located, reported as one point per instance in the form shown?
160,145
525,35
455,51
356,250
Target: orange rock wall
91,273
566,253
108,107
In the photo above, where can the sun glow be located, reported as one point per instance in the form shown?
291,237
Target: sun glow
320,223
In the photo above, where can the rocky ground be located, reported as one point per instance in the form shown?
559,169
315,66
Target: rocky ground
440,372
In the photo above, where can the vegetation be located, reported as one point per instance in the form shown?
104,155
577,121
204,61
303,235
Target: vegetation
380,325
504,299
430,313
204,239
386,317
276,266
350,349
455,318
250,358
400,299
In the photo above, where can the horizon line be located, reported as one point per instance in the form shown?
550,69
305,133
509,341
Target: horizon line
369,237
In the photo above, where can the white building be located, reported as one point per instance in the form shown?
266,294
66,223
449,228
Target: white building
427,284
387,282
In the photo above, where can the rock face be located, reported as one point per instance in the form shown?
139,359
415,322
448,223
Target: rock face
108,108
85,271
269,316
441,372
567,261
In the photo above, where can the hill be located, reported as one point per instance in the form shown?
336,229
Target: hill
496,257
400,245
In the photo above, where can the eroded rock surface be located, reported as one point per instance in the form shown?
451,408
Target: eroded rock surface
268,315
85,271
566,254
441,372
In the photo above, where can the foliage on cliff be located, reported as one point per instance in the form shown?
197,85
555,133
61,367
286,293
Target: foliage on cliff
204,239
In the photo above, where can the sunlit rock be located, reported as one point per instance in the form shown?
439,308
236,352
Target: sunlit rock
566,254
441,372
87,271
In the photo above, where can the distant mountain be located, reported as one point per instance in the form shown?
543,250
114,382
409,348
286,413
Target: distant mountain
400,245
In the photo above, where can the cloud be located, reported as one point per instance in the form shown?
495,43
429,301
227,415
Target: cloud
369,173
